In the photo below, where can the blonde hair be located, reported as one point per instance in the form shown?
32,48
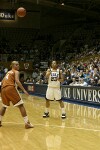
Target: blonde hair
13,63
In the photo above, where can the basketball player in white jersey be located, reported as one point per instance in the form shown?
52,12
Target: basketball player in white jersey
53,92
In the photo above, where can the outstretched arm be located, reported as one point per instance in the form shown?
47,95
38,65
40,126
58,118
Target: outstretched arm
48,73
19,83
61,78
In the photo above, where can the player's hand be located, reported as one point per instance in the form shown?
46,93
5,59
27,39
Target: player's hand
26,92
49,71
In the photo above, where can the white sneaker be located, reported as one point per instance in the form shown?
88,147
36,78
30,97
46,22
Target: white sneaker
63,116
46,115
28,125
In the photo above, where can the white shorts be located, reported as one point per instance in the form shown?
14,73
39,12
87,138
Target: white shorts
53,93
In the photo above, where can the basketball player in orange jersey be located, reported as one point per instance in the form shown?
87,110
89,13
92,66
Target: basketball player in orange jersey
53,92
9,93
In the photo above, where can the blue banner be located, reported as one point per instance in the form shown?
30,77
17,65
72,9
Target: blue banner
90,95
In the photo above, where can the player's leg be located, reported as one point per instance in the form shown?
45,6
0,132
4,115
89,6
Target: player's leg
62,109
49,97
18,102
57,94
5,103
46,112
2,112
25,117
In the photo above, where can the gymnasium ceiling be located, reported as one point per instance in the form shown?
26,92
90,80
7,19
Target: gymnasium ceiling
72,9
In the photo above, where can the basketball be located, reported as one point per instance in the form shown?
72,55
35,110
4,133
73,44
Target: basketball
21,12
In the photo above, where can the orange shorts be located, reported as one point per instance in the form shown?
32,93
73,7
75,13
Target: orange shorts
10,93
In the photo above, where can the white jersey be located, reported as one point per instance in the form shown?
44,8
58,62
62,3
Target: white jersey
52,81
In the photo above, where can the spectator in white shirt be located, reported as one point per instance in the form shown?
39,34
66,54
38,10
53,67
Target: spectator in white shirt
82,82
74,82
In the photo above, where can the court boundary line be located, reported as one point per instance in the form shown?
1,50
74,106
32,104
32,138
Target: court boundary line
57,126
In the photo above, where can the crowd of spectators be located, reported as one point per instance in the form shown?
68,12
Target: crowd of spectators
82,72
75,73
3,71
76,55
34,49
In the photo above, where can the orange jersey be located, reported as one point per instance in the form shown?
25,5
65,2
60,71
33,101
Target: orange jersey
9,79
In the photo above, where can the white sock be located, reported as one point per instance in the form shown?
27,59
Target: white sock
25,119
63,110
46,110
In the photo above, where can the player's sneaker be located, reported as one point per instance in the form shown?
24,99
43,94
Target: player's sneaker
63,116
46,115
0,124
28,125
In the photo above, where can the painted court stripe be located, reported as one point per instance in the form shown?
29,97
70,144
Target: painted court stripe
94,130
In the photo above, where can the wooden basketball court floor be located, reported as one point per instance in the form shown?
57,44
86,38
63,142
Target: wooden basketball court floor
79,131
